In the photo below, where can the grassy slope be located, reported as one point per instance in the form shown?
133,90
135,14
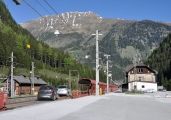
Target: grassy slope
48,73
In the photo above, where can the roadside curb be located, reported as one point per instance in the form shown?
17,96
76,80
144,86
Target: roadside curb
156,96
130,95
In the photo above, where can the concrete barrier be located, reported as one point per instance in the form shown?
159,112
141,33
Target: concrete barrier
22,99
156,96
167,96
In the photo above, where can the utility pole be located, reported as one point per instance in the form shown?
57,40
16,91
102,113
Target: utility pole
125,75
134,71
12,80
97,63
107,72
77,81
70,77
32,77
7,86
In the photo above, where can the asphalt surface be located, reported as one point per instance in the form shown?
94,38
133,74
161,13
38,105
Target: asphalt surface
114,106
125,107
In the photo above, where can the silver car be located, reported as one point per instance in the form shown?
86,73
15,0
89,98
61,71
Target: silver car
149,91
47,92
63,90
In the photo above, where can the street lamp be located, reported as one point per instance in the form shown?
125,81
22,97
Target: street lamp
56,32
107,67
17,2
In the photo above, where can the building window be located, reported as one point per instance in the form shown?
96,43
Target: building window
140,70
139,78
143,86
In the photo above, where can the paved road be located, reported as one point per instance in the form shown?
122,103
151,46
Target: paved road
124,107
115,106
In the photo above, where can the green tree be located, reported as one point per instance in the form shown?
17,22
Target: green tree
55,58
40,52
49,54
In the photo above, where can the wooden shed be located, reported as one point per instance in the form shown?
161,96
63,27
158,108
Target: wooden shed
23,84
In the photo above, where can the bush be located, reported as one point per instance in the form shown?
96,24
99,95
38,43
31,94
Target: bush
134,92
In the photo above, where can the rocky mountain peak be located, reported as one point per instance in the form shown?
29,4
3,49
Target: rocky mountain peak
61,21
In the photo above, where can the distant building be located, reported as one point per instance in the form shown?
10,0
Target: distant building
140,77
22,84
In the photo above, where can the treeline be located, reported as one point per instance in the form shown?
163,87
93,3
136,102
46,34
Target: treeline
160,60
26,49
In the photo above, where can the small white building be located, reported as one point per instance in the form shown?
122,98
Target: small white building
140,77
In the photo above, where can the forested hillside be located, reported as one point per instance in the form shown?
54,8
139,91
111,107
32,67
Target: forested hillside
160,60
13,38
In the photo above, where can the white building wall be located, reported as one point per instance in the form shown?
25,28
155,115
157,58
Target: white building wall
140,84
131,86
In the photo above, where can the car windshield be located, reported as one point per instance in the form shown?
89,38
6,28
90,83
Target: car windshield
45,88
62,86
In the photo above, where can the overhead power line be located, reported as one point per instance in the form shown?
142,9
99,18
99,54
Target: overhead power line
67,25
59,15
34,9
43,7
37,11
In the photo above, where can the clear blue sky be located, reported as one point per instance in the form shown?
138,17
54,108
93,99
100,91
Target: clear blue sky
156,10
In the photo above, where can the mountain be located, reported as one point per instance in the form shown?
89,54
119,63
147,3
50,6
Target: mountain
14,38
160,60
80,25
126,41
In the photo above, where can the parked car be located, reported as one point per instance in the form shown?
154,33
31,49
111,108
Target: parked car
47,92
118,91
64,90
164,90
149,91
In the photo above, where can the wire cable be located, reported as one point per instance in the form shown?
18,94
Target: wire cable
37,11
34,9
43,7
66,24
59,16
